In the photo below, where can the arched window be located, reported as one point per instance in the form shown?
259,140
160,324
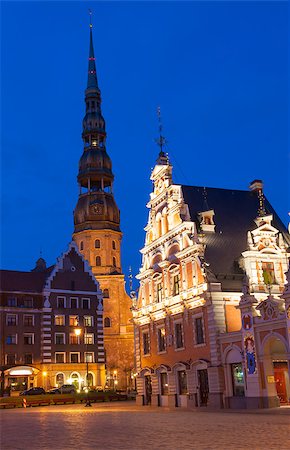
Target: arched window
97,243
107,322
81,245
90,380
98,261
59,379
106,293
113,245
114,262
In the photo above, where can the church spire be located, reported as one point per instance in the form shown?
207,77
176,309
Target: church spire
92,72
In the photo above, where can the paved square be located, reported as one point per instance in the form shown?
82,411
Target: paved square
124,426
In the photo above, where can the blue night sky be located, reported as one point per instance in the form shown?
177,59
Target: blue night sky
217,69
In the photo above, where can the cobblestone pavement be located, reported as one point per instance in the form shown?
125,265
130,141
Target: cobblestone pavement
126,426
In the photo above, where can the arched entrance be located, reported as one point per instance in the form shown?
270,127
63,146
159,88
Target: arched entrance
276,366
75,379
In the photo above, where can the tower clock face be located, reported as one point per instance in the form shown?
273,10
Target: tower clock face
97,209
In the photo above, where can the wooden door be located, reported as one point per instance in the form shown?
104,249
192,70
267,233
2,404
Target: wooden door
279,375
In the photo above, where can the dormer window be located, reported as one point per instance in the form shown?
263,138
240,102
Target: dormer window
207,221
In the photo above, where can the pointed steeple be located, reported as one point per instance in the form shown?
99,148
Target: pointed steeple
92,72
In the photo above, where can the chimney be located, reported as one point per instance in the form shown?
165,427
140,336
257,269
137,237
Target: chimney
256,186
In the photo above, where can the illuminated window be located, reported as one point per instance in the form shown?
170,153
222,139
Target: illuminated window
11,319
28,338
107,322
106,293
74,339
73,321
60,357
88,321
89,338
268,273
161,339
146,343
238,380
98,261
97,243
59,379
59,320
28,320
89,357
178,334
164,383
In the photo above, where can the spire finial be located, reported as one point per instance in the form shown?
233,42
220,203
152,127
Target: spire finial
161,141
91,13
205,203
261,210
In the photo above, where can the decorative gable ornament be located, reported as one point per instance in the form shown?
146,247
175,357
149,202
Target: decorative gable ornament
270,308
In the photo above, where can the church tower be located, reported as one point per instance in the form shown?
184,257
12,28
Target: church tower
98,236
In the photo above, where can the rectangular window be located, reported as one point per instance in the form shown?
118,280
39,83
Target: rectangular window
59,320
28,338
88,321
74,303
89,338
74,339
60,301
268,273
11,301
28,320
28,302
73,321
11,319
86,303
199,336
164,383
89,357
159,292
28,358
10,359
238,380
146,343
11,339
178,335
161,339
74,357
59,338
182,382
60,357
175,285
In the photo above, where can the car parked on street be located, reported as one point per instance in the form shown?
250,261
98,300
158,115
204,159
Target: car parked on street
33,391
64,389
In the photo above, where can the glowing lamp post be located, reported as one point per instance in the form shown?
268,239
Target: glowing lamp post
78,332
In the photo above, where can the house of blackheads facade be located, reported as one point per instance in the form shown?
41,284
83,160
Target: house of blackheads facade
212,316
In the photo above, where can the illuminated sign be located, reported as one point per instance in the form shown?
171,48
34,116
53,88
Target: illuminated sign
21,372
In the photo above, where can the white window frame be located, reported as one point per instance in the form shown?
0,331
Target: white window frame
12,343
63,298
76,318
90,353
178,349
58,333
74,353
60,353
59,315
75,337
74,298
29,334
90,335
28,315
16,321
92,321
89,302
194,317
6,357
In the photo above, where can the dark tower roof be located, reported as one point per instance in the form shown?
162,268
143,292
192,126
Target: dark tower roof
96,207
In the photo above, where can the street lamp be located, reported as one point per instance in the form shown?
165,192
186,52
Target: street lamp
78,332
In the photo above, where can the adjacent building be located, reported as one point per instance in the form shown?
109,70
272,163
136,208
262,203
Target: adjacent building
211,321
98,235
40,312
